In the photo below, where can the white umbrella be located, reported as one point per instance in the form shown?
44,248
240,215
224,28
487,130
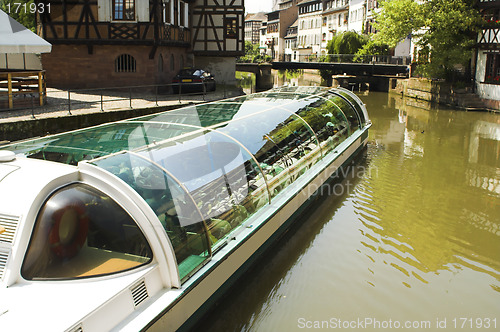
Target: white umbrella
15,38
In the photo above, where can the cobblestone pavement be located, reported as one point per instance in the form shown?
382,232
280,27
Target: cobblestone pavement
61,103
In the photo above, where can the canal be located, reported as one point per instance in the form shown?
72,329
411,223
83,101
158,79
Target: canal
409,239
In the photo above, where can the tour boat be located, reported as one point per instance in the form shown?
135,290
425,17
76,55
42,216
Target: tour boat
141,224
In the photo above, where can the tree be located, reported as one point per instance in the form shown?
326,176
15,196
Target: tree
447,28
371,48
348,42
252,54
20,13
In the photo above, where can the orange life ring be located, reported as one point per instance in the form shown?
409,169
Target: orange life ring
70,229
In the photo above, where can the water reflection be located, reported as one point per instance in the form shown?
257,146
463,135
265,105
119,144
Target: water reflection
415,236
290,77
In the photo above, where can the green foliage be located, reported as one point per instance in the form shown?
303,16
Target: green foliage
398,19
446,28
323,58
262,58
251,49
252,54
373,47
22,15
348,42
290,73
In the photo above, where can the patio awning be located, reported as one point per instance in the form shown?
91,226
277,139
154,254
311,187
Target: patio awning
15,38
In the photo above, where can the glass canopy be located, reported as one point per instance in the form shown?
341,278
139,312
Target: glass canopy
205,169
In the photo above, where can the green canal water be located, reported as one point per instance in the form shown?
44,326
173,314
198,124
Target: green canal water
410,239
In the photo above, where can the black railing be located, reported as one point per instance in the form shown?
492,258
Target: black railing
350,58
113,98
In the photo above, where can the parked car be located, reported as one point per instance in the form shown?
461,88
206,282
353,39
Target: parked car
193,79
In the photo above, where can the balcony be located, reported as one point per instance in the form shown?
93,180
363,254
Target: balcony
140,33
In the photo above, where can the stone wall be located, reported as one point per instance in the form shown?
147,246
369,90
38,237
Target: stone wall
438,92
223,68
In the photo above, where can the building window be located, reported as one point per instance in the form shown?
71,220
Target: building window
231,27
124,10
125,63
492,74
172,63
182,15
181,61
167,11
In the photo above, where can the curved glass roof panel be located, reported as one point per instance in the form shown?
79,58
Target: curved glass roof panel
95,142
297,143
265,135
349,111
172,204
203,115
354,103
219,174
326,119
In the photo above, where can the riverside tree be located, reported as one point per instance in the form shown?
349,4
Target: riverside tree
252,54
348,42
445,30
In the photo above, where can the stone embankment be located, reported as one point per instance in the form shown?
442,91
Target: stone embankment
438,92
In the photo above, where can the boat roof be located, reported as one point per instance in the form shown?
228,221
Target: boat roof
138,134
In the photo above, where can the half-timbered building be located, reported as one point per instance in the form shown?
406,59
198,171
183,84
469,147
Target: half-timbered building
253,22
107,43
488,54
218,36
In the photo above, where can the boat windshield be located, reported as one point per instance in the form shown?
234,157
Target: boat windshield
81,232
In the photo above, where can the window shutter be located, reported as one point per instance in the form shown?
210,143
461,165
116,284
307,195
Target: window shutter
186,15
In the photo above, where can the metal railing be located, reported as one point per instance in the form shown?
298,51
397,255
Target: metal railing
350,58
113,98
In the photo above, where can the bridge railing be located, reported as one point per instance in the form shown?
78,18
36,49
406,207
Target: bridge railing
352,58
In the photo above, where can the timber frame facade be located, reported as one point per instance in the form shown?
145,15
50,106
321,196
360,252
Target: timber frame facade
218,28
95,22
487,76
108,43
